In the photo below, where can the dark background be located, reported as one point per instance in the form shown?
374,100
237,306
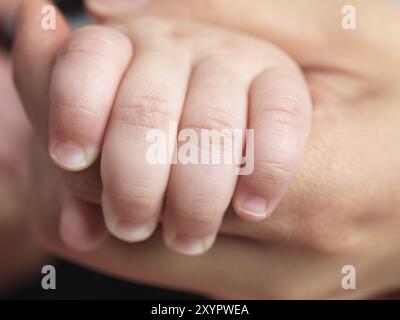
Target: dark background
73,282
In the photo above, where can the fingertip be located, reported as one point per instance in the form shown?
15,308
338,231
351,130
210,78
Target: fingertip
187,244
126,228
252,207
73,157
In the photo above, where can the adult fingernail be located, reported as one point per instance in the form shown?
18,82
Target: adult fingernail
189,245
254,207
71,156
131,4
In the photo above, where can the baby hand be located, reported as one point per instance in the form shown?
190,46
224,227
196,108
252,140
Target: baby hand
114,87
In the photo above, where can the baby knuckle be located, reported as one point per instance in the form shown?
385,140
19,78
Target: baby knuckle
142,205
133,193
285,110
75,109
219,119
148,112
91,41
219,125
274,172
202,219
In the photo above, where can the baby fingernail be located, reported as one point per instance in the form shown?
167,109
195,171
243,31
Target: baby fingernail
132,231
126,229
254,207
71,156
189,245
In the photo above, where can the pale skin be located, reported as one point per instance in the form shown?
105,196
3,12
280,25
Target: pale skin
111,84
342,208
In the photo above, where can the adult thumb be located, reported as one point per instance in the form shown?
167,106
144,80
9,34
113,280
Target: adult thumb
39,31
105,9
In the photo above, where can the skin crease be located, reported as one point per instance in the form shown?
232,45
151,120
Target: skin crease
342,208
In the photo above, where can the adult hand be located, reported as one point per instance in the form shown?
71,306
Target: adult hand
19,255
341,210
